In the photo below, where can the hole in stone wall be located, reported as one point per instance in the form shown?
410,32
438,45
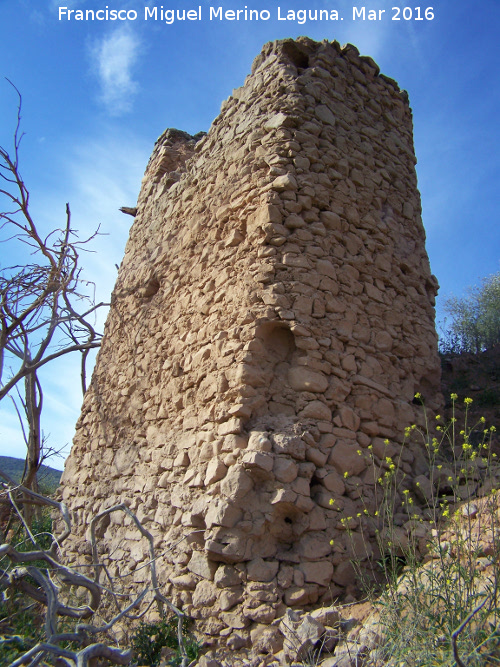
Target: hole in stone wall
285,521
428,387
274,360
278,341
296,55
102,525
405,268
151,287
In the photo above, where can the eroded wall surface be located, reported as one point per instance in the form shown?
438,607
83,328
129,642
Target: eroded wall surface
271,322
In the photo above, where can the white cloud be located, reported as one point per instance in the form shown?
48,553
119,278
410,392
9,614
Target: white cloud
104,174
114,58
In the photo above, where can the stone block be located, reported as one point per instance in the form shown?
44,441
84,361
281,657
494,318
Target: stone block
345,574
349,418
237,483
324,114
234,619
301,486
299,596
259,569
331,220
304,503
233,425
304,379
327,616
316,410
230,597
227,546
201,565
258,460
226,576
184,581
278,120
216,470
313,546
285,182
292,445
283,496
264,613
220,512
348,458
317,456
259,441
267,640
334,483
319,572
285,470
264,215
205,594
325,267
233,442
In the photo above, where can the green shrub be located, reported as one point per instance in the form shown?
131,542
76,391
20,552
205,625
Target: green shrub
21,626
150,638
21,619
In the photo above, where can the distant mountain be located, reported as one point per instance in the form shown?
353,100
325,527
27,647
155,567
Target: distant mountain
48,478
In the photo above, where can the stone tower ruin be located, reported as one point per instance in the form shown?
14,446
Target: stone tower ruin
271,323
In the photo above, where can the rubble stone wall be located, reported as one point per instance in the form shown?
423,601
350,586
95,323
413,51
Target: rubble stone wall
271,322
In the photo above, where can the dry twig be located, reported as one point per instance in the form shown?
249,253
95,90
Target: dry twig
46,592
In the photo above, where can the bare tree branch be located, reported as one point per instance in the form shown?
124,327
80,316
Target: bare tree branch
25,570
42,500
41,313
72,658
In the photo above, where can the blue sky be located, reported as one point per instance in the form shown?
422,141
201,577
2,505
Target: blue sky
97,94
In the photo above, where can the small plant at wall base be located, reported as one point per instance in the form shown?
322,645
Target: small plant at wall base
21,619
153,641
442,609
20,627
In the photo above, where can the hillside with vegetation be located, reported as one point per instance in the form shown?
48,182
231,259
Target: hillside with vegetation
48,478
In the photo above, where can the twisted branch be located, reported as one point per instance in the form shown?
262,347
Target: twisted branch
45,591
